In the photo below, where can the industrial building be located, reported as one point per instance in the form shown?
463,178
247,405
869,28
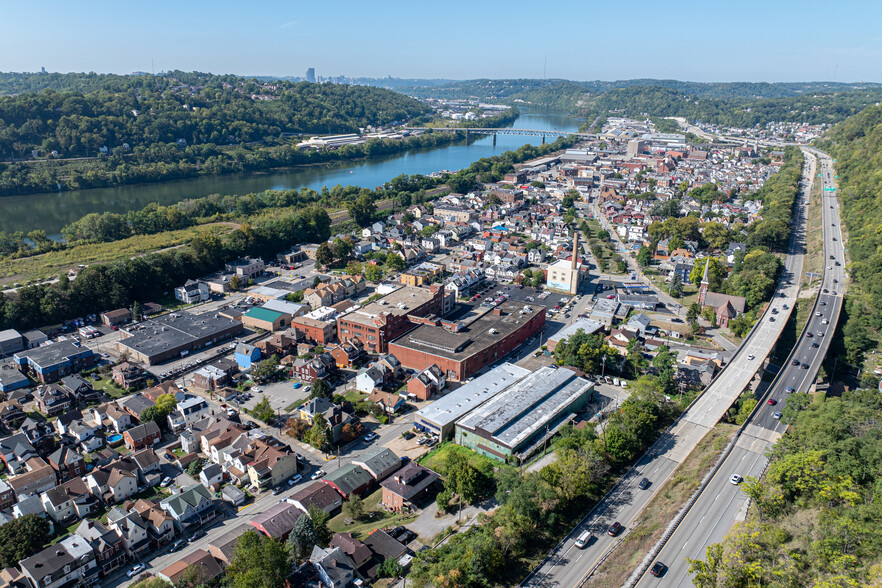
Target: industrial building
464,347
565,275
383,320
517,421
587,326
439,417
174,335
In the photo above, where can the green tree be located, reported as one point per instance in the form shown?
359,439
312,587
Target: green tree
259,562
363,209
324,256
195,467
235,283
321,389
266,368
320,523
354,507
373,273
264,411
21,538
395,261
676,287
354,268
302,538
319,433
644,256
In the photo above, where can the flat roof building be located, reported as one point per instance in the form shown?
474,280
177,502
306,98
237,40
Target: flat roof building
464,347
172,335
588,326
383,320
440,416
519,419
54,361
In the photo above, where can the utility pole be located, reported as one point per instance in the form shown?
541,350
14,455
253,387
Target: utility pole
603,366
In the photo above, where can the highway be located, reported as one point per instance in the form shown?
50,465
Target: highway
723,503
568,565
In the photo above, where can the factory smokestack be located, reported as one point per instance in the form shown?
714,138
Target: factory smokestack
575,249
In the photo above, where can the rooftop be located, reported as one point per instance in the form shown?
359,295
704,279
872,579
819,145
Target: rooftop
53,353
263,314
469,396
478,330
176,329
402,301
586,325
525,406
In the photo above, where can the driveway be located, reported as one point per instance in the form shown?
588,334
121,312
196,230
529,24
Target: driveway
428,525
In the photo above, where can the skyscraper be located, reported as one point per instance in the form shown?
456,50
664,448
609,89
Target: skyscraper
310,75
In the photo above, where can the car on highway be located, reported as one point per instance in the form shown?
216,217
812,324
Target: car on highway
820,333
317,474
584,539
816,344
817,314
789,390
735,479
823,303
805,366
614,529
658,569
809,334
795,362
771,319
784,306
137,569
644,484
777,415
772,401
751,357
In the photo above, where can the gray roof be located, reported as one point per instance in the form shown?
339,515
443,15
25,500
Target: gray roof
53,354
279,519
588,326
515,414
349,478
378,460
176,330
469,396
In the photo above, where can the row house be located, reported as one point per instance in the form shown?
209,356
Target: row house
308,370
191,508
107,545
347,353
71,500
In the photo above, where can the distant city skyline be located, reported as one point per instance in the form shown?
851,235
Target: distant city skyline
749,41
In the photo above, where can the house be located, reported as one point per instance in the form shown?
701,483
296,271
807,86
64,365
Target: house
379,462
80,389
384,546
136,404
207,569
7,496
319,495
348,480
144,435
246,355
373,376
192,507
53,400
347,353
334,415
407,487
15,450
211,475
11,414
160,526
107,545
278,520
390,402
193,291
188,410
56,567
335,569
38,477
111,416
112,484
210,377
11,378
309,370
133,529
71,500
67,463
129,376
427,383
223,547
358,553
271,463
233,495
117,317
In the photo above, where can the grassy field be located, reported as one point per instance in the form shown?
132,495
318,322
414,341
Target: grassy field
374,518
662,508
814,258
50,265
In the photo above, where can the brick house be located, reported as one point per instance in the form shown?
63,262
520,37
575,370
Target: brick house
113,318
144,435
407,487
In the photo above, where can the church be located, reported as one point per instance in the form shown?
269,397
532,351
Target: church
725,307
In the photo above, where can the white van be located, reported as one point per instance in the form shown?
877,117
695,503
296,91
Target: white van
584,539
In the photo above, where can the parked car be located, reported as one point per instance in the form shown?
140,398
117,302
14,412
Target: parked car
166,482
296,479
278,490
317,474
196,536
137,569
177,545
370,436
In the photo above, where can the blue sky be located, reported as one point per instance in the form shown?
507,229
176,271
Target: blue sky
712,40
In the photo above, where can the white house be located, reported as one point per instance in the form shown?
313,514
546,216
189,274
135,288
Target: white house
193,291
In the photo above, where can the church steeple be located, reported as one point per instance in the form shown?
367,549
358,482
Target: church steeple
702,288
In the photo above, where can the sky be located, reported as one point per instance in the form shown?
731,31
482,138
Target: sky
711,40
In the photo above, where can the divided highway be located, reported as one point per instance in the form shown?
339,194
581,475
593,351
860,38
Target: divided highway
722,503
567,565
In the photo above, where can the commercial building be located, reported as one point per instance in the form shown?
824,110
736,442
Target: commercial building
246,267
10,342
464,347
564,275
604,311
266,319
52,362
518,420
315,330
383,320
175,335
439,417
587,326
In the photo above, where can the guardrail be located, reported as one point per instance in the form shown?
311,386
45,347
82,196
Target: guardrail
675,523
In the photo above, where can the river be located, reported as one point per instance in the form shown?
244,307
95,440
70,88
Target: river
51,211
